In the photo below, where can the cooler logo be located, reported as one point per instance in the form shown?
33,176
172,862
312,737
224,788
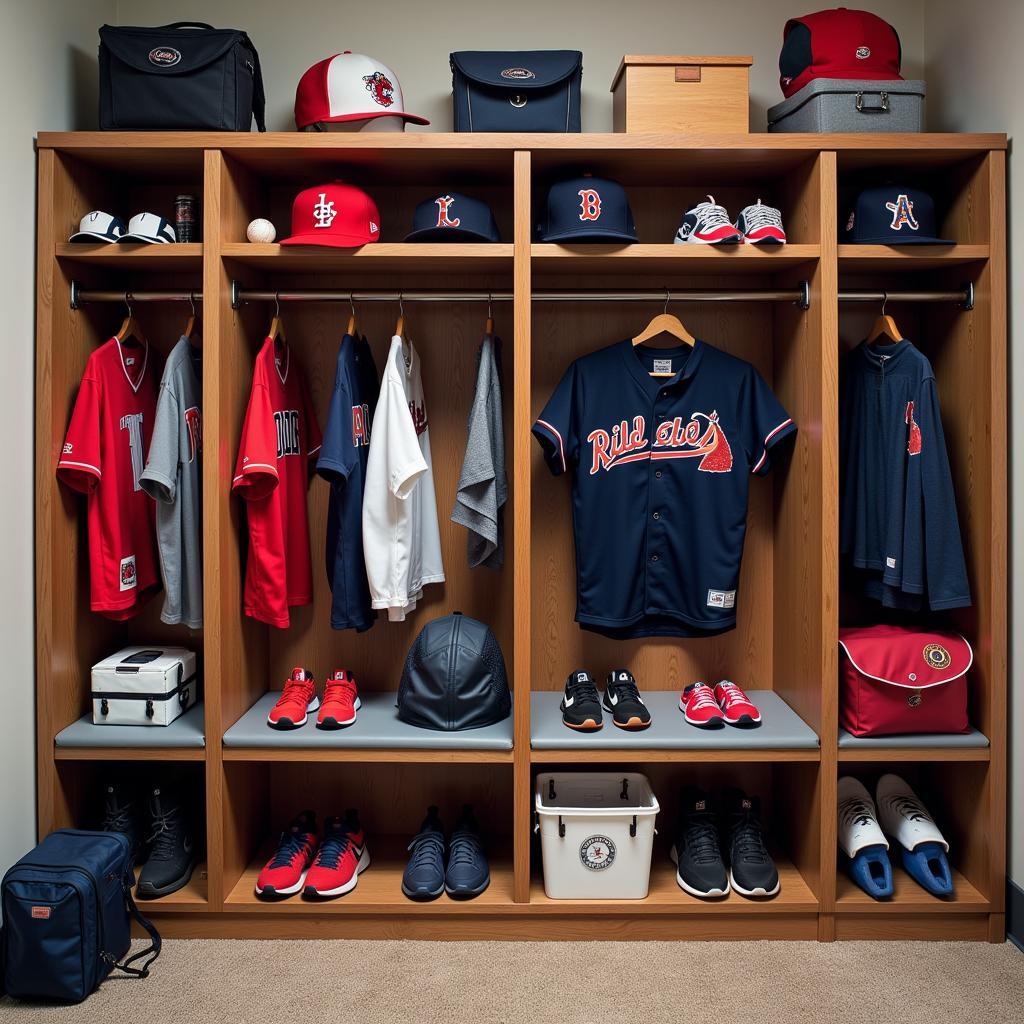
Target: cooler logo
914,433
936,656
597,853
590,204
419,417
360,426
128,576
324,212
699,438
381,88
194,426
517,74
863,52
287,423
902,213
444,204
164,56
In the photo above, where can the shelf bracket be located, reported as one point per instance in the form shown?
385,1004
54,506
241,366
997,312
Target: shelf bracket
236,298
968,296
804,302
75,290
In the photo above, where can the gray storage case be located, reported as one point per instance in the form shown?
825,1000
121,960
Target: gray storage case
851,105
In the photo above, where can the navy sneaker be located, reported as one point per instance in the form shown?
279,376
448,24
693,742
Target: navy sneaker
424,874
696,853
120,814
752,871
172,853
468,874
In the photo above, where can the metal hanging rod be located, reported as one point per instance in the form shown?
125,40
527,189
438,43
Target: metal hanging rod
964,296
80,295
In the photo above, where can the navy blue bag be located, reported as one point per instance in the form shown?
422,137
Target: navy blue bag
66,909
524,91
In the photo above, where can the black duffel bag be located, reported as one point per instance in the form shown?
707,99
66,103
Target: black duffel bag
187,75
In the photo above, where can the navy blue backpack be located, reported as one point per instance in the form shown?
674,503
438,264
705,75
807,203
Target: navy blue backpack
66,908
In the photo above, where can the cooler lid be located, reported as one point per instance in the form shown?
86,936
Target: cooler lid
847,86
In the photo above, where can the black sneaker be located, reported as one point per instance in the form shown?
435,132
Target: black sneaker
751,869
172,854
696,854
423,878
622,699
581,705
468,874
120,814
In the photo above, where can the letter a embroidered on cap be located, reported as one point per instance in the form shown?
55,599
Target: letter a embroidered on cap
902,213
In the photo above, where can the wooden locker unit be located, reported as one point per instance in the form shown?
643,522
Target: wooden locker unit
791,605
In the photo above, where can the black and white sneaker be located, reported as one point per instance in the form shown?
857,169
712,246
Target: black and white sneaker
696,853
707,224
172,853
761,225
581,705
752,871
623,701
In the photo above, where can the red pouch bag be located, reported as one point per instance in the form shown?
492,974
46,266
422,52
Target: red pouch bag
894,680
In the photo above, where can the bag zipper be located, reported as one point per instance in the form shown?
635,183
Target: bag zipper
451,667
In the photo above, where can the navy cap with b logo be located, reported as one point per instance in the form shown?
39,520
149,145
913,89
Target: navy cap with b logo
893,215
453,217
587,210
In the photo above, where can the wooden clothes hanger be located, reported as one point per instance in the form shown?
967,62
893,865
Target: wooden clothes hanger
665,323
277,324
489,323
884,326
130,331
190,324
351,329
400,323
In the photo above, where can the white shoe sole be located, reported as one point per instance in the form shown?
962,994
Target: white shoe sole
753,892
693,240
313,705
714,723
291,890
364,863
348,721
710,894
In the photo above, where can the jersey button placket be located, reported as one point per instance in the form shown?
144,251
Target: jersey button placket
655,503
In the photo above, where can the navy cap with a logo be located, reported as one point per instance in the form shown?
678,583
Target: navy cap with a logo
453,217
893,215
587,209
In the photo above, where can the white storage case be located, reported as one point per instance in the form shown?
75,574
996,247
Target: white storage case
596,834
150,685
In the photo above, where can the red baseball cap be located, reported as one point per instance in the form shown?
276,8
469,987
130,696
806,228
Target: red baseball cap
840,43
340,215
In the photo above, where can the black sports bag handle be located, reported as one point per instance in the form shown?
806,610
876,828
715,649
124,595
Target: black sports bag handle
154,936
189,24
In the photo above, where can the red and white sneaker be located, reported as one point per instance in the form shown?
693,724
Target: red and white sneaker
285,872
341,859
736,706
296,701
700,708
707,224
340,703
761,225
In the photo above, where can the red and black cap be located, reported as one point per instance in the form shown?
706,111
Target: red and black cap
839,43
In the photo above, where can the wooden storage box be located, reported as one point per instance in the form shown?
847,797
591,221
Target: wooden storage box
681,94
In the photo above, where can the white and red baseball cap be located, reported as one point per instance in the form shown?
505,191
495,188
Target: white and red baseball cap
350,87
338,215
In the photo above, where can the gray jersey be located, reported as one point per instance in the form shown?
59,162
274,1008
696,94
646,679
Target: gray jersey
173,476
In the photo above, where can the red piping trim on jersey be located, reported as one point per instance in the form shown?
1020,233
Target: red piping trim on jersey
287,365
80,465
561,446
764,454
635,457
255,465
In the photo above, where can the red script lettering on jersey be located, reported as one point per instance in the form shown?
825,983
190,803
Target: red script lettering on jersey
700,437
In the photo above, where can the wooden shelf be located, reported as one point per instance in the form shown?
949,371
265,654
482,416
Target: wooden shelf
669,258
908,897
191,899
129,754
909,257
380,888
378,258
391,755
182,256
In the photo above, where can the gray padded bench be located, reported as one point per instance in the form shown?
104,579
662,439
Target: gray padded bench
186,731
376,728
972,739
780,727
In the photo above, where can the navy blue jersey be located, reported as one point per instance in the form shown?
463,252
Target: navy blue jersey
898,522
660,473
342,462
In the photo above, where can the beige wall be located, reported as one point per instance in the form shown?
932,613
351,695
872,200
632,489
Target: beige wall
973,69
416,46
47,75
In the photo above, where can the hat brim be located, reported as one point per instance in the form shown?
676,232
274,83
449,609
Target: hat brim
903,241
147,239
589,236
92,236
369,115
448,235
328,241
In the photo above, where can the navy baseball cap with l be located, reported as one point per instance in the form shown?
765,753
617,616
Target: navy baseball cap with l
893,215
453,217
587,209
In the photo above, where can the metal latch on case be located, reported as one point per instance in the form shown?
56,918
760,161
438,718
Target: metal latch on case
518,100
881,108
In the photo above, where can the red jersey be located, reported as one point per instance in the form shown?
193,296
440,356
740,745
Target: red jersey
279,437
103,457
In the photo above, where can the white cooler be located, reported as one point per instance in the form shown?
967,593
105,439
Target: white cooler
151,685
596,833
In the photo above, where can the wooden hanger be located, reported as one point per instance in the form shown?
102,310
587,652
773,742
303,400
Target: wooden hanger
277,324
665,323
351,329
190,324
400,323
884,326
489,325
130,331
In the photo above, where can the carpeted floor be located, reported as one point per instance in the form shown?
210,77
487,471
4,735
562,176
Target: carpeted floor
220,982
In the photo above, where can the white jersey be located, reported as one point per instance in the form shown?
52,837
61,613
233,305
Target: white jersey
401,539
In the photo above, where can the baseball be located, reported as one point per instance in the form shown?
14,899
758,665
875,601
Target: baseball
260,230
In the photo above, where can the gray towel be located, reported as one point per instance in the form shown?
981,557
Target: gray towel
483,486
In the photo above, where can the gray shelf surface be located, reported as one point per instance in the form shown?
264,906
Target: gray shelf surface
780,727
186,731
376,728
972,739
